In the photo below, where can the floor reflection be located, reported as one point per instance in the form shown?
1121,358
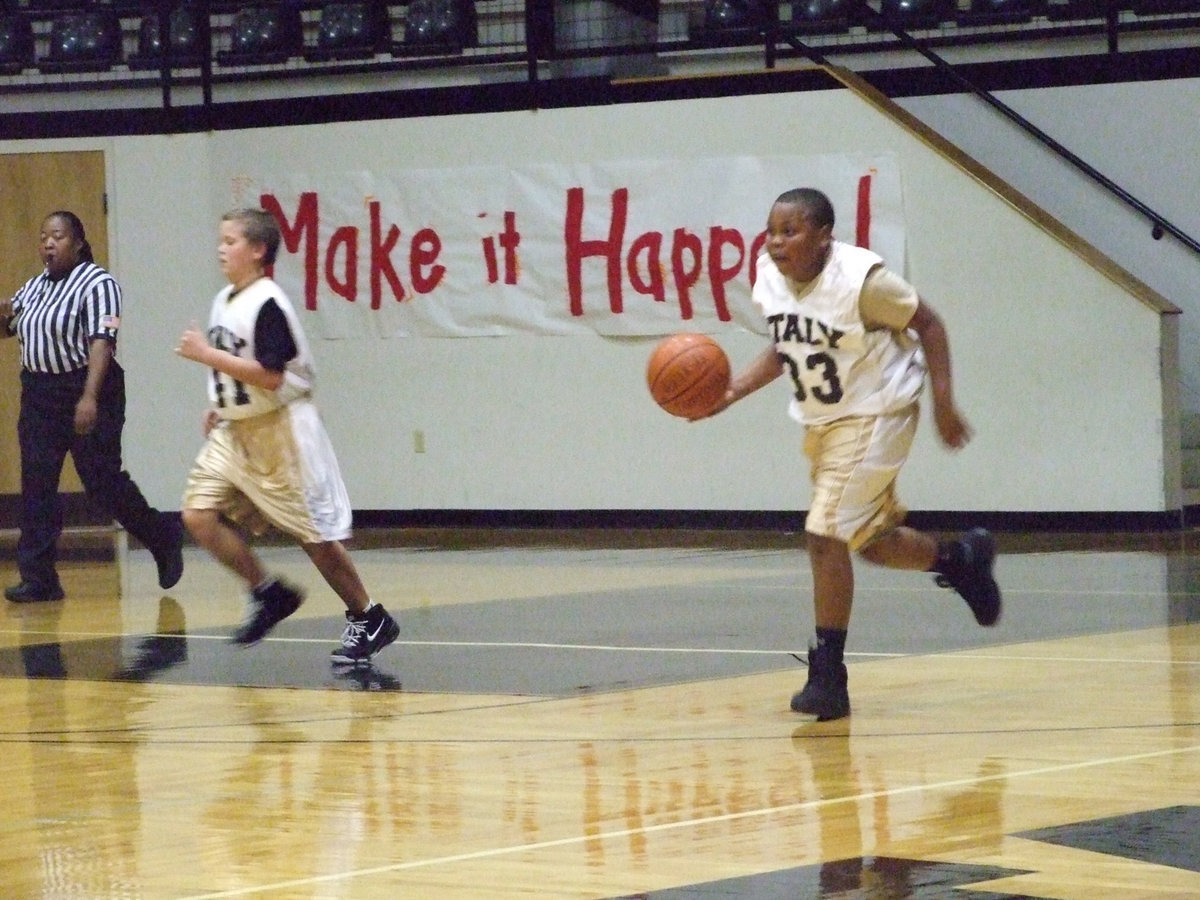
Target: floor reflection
167,647
853,813
366,678
860,878
634,734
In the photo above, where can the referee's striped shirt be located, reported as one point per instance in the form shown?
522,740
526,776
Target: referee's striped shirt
56,321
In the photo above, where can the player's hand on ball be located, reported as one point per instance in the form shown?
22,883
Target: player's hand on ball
723,403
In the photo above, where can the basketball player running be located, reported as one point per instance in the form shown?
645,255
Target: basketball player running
267,458
857,342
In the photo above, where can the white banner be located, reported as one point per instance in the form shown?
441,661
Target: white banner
625,247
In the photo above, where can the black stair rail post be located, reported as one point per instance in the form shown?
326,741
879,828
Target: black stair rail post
206,58
1110,24
163,10
539,42
770,26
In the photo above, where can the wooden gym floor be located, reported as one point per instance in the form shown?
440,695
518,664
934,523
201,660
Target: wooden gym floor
605,714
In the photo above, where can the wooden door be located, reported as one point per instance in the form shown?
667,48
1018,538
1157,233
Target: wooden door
33,185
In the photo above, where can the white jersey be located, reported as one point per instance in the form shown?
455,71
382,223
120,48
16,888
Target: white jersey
231,327
838,366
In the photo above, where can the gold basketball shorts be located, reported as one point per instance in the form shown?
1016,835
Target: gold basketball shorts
854,463
278,468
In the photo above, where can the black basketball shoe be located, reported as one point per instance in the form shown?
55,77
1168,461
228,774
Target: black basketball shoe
365,635
269,605
825,694
970,573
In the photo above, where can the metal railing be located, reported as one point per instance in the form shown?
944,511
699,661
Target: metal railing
536,40
1160,225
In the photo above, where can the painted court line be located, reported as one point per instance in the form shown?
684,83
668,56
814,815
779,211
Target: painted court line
616,648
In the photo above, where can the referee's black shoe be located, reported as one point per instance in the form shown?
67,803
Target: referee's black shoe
169,560
269,605
966,565
32,592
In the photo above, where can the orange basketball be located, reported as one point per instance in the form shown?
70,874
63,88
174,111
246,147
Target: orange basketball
688,374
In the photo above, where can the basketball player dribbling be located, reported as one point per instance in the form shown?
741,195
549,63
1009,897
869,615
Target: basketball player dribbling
857,343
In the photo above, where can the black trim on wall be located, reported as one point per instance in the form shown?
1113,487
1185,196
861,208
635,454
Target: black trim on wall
760,520
80,514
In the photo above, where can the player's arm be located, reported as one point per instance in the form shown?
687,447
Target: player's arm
194,345
274,347
763,369
888,301
274,344
927,325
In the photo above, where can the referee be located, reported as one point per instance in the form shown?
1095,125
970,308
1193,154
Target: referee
73,400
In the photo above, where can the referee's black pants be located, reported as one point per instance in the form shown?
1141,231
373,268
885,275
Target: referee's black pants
46,433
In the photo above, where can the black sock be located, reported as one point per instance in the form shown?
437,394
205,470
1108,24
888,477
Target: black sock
831,644
263,586
951,555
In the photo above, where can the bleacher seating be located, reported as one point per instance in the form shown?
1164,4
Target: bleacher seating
995,12
917,14
16,42
185,38
358,29
1075,10
83,40
821,16
439,27
1164,7
64,37
733,15
264,34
